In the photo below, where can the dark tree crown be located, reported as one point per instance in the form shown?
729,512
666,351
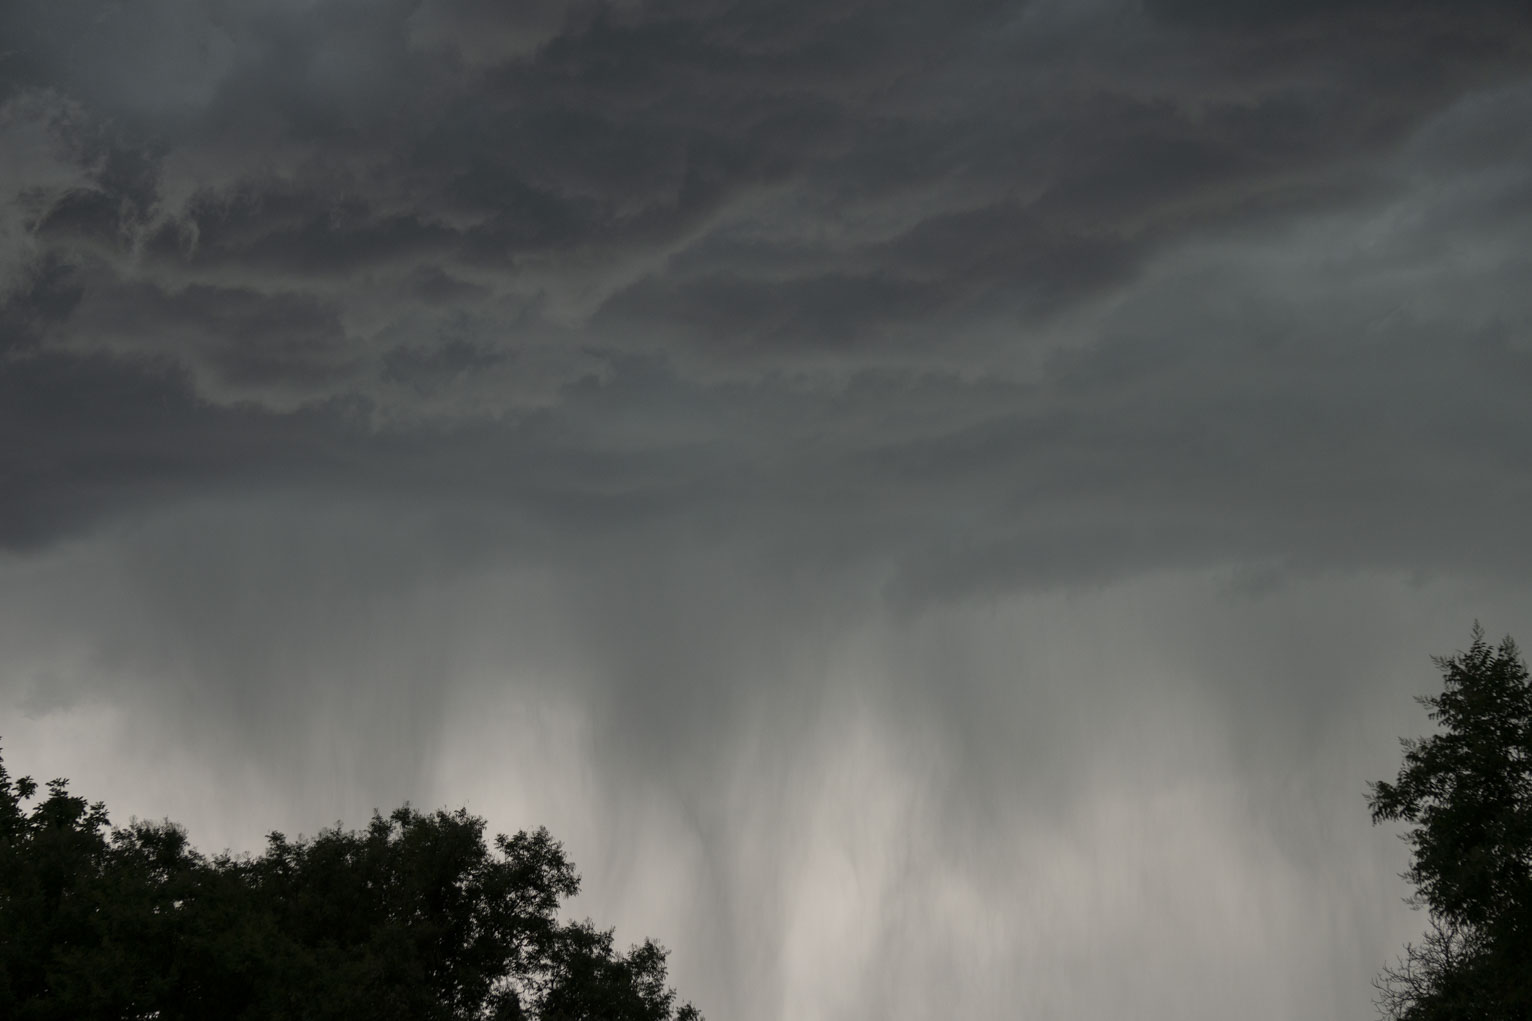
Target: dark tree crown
1466,792
413,917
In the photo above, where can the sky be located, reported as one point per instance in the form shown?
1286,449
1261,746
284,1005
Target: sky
942,508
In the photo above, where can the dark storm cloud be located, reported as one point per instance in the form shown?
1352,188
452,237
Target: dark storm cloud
727,243
927,498
87,437
42,296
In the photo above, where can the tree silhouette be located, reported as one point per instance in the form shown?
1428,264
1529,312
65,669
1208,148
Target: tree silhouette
415,916
1467,793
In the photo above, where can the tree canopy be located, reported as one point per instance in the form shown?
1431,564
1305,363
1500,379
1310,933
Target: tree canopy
1466,792
416,916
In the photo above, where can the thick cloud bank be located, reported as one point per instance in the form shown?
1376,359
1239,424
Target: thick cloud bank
942,506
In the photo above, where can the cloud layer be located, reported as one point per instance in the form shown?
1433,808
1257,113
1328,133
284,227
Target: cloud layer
942,506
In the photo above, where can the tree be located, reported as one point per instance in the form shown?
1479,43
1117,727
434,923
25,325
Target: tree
1467,794
414,917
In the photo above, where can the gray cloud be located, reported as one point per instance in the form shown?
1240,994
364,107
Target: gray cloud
928,501
624,171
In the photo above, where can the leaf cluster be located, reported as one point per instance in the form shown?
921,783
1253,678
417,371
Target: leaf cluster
415,916
1466,792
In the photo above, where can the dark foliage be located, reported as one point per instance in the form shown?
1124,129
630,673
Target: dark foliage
1467,793
414,917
